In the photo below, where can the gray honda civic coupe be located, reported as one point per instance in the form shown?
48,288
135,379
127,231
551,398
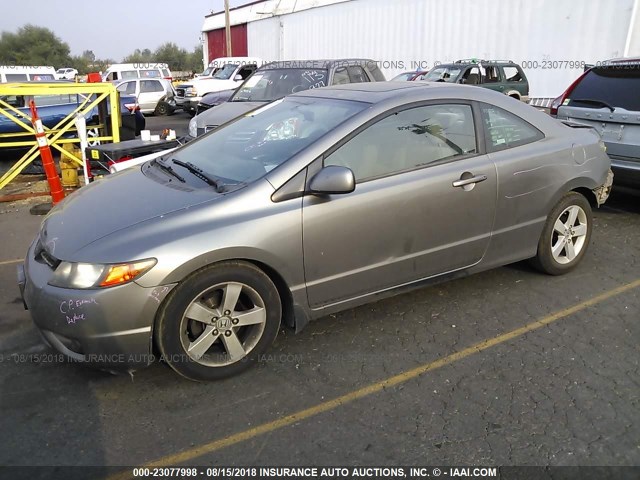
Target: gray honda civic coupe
312,204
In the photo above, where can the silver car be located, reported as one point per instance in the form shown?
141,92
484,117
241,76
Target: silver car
153,95
315,203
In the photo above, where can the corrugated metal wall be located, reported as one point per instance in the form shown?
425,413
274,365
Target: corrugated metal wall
404,34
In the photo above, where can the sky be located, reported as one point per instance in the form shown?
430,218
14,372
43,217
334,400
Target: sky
114,28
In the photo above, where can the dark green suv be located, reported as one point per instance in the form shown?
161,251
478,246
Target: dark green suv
500,75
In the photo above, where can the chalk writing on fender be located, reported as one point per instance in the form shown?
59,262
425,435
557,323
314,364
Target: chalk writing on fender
69,306
75,317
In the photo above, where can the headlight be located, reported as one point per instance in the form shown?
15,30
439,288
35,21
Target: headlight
191,92
89,275
193,128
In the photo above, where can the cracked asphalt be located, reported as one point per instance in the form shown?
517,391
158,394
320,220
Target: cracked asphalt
565,394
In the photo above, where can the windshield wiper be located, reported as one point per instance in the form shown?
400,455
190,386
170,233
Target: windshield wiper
169,170
198,173
594,102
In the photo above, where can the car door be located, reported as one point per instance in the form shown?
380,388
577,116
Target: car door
423,205
151,92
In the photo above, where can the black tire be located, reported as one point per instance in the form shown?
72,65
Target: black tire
174,329
163,108
545,260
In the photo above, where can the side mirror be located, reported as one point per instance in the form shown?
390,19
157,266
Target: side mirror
333,180
237,78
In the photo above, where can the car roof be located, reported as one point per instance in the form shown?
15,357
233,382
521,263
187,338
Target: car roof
375,92
317,64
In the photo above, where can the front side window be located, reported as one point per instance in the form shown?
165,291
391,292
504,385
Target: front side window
356,74
408,139
258,142
506,130
127,87
340,76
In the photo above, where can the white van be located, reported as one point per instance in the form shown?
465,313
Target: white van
126,71
21,73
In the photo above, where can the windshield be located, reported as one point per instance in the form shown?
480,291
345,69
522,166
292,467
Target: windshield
403,77
617,86
443,74
269,85
256,143
225,72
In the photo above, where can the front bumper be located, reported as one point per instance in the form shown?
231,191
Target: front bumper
188,104
107,328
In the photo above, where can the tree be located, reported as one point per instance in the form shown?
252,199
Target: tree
32,45
89,56
194,60
170,53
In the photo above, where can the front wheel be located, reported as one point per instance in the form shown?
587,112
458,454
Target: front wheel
218,322
565,236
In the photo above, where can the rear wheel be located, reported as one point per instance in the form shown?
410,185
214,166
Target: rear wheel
565,236
163,108
217,322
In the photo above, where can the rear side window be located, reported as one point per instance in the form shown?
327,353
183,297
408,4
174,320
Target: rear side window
149,73
617,86
512,74
356,74
165,73
126,74
150,86
505,130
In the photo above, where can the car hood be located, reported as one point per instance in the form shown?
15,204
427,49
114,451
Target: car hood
225,112
115,203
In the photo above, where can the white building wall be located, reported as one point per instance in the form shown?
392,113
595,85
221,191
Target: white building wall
405,34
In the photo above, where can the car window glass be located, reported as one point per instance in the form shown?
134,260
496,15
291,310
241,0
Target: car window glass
127,87
356,74
129,74
443,74
408,139
165,73
512,74
340,76
492,74
471,76
246,71
375,72
256,143
268,85
112,76
150,86
617,86
45,100
13,100
150,73
16,77
506,130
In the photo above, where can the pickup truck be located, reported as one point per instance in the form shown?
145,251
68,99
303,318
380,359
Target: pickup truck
228,73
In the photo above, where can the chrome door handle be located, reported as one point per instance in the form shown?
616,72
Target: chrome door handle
469,181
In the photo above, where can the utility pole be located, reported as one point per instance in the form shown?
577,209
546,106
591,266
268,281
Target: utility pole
227,27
